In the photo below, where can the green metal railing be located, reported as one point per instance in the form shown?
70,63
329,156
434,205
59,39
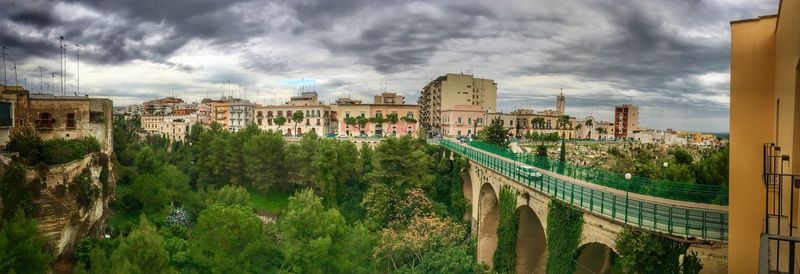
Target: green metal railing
670,219
700,193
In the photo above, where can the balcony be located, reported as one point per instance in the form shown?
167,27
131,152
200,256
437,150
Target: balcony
47,123
779,242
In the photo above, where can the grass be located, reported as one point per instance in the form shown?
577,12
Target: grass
273,202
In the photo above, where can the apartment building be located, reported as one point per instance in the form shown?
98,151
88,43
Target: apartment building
233,114
69,117
451,90
173,127
626,120
317,116
388,115
765,141
162,106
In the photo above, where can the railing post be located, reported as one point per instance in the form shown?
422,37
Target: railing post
602,202
669,221
640,213
591,199
572,194
626,207
613,207
704,225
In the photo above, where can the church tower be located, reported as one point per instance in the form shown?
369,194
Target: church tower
561,103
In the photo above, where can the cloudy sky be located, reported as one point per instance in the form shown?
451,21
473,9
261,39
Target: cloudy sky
669,57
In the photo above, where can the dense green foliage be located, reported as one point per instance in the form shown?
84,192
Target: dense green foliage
398,207
505,253
14,197
642,252
33,150
22,249
564,227
646,161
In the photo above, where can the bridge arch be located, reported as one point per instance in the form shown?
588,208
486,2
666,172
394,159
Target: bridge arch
594,257
466,187
488,218
531,247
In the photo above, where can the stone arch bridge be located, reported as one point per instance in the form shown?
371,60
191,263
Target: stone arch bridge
606,212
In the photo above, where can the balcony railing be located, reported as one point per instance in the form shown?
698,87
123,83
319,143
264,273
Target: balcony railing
45,123
778,242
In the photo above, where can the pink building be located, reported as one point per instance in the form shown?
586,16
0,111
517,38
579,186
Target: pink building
463,120
406,123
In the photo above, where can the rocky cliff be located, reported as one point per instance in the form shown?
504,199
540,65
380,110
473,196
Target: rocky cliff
72,199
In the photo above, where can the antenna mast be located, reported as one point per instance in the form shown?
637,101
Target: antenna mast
5,80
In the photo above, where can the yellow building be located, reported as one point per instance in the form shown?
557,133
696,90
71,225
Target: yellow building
765,108
451,90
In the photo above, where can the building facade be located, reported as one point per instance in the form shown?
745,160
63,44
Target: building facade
378,117
67,117
463,120
764,121
626,120
451,90
233,114
161,106
173,127
317,116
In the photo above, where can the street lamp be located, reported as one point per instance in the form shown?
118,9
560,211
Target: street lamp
628,176
666,164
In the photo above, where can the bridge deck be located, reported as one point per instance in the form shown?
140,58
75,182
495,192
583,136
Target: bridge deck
676,218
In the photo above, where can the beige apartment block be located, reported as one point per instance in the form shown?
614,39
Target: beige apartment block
451,90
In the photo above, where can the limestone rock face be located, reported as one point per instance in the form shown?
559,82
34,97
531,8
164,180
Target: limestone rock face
72,200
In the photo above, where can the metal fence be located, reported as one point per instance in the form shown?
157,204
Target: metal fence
701,193
669,219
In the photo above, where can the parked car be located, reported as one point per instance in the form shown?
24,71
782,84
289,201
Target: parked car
529,172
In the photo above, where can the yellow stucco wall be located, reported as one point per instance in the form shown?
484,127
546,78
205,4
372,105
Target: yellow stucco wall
787,54
752,107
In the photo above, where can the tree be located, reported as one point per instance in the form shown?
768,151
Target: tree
406,246
146,161
143,251
315,239
150,192
176,182
362,122
230,195
538,122
682,156
15,193
713,169
401,163
225,239
495,133
334,164
563,122
642,252
280,121
562,155
589,125
297,117
22,249
265,162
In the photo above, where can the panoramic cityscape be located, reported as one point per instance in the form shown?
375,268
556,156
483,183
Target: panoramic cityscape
262,136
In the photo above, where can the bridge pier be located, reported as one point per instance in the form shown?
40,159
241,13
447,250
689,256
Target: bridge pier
531,247
489,211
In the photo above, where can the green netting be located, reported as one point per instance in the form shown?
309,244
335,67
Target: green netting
670,219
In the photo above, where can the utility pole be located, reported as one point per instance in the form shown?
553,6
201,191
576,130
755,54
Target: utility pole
61,59
5,80
53,83
41,79
79,67
16,81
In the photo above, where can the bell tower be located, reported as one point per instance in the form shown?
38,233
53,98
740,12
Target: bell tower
561,103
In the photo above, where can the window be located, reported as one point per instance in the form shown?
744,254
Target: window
459,121
347,115
5,114
96,117
45,121
469,120
410,115
280,113
378,114
71,120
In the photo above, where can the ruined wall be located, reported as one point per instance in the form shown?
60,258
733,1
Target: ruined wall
63,220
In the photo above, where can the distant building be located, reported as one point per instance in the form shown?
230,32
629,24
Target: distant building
594,129
173,127
626,120
317,116
68,117
233,114
390,98
520,122
163,106
561,103
451,90
384,106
